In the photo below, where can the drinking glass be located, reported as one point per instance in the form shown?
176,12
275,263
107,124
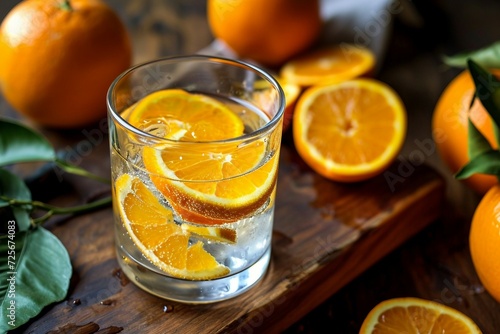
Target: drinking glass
194,217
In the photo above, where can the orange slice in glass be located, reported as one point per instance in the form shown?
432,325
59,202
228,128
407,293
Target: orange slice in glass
206,183
350,131
415,315
329,65
151,227
179,115
228,182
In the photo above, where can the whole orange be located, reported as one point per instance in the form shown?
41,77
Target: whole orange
484,241
267,31
450,127
58,58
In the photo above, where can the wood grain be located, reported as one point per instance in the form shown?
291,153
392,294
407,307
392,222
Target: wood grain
325,235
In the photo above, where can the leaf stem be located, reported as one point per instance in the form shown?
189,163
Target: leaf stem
69,168
55,210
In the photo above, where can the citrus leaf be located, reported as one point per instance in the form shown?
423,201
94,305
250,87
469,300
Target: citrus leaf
476,142
19,143
488,56
12,187
37,275
484,163
487,90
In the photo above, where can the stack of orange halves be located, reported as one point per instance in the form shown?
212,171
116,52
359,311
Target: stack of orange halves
346,126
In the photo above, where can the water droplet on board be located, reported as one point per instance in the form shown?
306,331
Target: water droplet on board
168,308
107,302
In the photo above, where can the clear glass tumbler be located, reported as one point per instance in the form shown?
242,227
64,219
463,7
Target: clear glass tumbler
195,144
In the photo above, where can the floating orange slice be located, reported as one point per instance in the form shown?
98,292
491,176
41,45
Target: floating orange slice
349,131
206,183
179,115
415,315
329,65
151,227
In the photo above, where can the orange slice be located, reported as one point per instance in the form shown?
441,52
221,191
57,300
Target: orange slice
350,131
205,183
179,115
329,65
415,315
292,92
151,227
265,100
229,182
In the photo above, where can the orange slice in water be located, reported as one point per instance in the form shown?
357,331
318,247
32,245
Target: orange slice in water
350,131
179,115
206,183
151,227
329,65
415,315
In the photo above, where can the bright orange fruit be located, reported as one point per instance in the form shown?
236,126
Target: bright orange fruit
152,228
349,131
329,65
450,128
58,58
416,315
267,31
484,241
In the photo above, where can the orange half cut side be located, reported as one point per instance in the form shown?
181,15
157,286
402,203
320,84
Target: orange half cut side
349,131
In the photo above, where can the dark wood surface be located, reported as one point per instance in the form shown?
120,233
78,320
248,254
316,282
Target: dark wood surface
434,264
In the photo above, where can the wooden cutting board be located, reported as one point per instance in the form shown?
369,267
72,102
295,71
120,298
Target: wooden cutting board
325,235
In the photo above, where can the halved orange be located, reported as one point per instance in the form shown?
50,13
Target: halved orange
206,183
416,315
349,131
152,228
329,65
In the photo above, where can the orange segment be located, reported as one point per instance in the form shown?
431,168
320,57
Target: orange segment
329,65
179,115
220,234
349,131
151,227
415,315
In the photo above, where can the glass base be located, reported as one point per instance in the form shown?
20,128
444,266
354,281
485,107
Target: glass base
192,292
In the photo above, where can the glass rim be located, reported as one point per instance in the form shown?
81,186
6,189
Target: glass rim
110,103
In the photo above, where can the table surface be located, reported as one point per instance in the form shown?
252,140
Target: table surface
435,264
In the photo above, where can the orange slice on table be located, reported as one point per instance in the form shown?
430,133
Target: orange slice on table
292,92
205,183
265,100
152,228
350,131
415,315
329,65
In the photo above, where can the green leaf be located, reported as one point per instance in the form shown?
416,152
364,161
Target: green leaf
487,162
12,187
19,143
476,142
487,90
41,275
488,56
